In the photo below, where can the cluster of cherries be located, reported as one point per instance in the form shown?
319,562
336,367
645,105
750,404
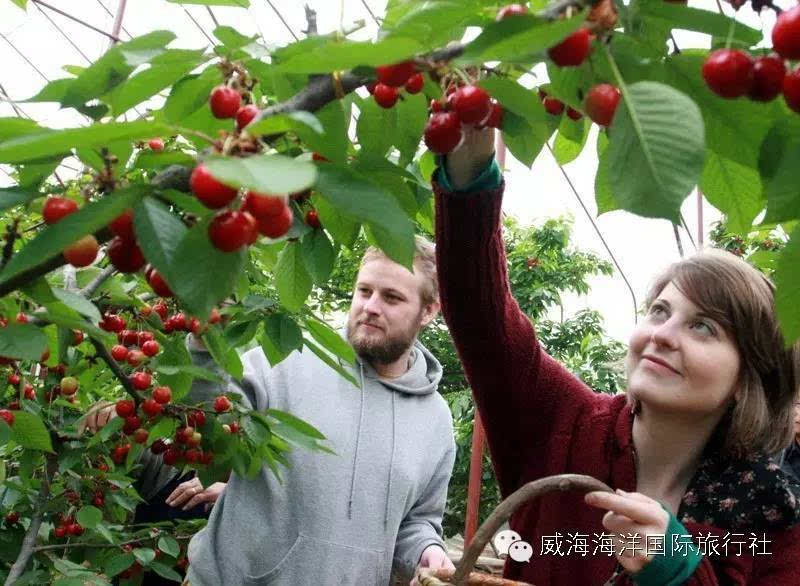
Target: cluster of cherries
732,73
390,78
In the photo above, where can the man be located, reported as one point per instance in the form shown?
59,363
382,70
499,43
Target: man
377,504
789,458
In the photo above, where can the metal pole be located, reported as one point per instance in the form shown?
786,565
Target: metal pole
118,21
474,486
699,219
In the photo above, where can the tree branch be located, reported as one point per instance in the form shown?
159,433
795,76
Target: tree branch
27,549
112,364
90,289
311,19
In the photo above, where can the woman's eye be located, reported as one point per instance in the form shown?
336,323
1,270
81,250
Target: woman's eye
704,327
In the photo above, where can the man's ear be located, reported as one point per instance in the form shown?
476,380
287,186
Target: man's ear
430,312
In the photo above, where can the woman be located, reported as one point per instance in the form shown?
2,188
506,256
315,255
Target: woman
710,392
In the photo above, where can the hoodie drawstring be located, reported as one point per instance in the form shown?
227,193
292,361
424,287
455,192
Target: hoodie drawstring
355,457
391,467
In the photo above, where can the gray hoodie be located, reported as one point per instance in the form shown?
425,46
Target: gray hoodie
345,519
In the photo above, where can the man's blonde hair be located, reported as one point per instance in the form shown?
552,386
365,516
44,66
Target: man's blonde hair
424,261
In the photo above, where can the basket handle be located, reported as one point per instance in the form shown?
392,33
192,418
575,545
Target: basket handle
529,491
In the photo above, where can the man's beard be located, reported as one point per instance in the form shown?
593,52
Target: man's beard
387,349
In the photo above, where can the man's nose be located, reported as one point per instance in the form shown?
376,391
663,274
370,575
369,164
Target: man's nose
373,304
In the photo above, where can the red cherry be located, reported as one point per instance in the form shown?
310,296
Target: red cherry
156,144
245,115
159,285
312,219
511,10
77,337
234,427
229,230
495,119
443,132
192,455
385,96
162,395
179,321
573,50
132,423
150,348
197,418
99,501
786,34
122,225
12,517
119,352
128,337
83,252
553,106
136,357
263,205
119,453
768,74
415,83
215,317
69,385
277,225
7,416
208,190
371,87
56,208
319,158
140,435
171,456
161,309
728,73
141,380
601,103
184,434
471,103
791,89
159,446
75,529
151,407
13,379
28,392
125,255
112,323
207,457
195,439
222,404
225,102
395,75
125,407
143,337
60,532
573,113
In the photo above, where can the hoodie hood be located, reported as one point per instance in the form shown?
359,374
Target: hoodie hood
422,377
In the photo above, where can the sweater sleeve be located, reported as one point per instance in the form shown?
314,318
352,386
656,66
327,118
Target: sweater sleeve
528,402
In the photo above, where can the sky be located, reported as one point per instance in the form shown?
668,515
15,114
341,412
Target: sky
641,246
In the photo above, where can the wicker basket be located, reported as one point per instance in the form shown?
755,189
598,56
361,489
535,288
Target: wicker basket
463,574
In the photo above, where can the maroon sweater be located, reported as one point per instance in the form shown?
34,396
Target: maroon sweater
540,420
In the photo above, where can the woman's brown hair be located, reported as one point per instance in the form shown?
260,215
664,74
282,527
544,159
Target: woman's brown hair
742,300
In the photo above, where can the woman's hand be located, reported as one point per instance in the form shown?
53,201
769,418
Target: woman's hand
191,493
631,513
468,160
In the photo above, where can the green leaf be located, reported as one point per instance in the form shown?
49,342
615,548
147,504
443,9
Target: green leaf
334,142
291,278
274,174
194,371
239,3
358,198
656,150
156,160
21,3
165,427
190,94
165,70
734,189
186,202
87,220
114,67
284,333
232,38
118,564
433,22
570,139
298,424
676,15
14,196
328,359
338,55
79,303
734,129
165,571
518,39
787,281
516,98
22,341
343,228
225,356
778,162
30,431
375,128
331,340
89,516
286,123
144,555
523,140
169,546
318,255
159,233
201,275
13,127
59,142
412,115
